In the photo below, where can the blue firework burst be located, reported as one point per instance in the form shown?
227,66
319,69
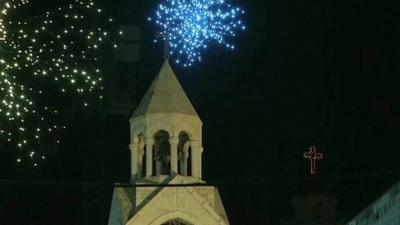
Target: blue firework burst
189,26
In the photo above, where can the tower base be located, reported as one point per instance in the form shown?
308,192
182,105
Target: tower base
174,199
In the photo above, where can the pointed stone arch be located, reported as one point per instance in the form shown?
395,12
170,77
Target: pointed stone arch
176,221
183,216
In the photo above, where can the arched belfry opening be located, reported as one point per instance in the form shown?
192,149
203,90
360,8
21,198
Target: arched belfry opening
184,154
162,153
176,222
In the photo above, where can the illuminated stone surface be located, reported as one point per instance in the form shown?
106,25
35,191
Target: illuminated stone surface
166,185
384,211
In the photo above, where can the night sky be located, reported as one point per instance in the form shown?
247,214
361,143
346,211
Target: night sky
321,73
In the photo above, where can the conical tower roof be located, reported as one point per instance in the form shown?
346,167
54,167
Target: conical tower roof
165,95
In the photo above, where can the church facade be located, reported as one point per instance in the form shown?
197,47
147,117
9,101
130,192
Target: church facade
384,211
166,186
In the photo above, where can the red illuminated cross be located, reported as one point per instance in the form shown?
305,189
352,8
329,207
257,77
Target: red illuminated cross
313,155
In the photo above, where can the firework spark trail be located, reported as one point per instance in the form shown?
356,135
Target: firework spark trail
189,26
60,47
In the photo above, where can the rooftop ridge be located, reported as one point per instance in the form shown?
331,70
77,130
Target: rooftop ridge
165,95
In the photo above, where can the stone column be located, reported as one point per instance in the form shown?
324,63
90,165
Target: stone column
184,159
149,156
140,161
195,158
200,165
173,141
134,158
158,168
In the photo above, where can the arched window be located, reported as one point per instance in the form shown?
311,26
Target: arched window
184,154
162,153
175,222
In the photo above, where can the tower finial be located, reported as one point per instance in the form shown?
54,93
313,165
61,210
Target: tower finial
164,35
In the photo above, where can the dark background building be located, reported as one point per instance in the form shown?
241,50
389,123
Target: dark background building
321,72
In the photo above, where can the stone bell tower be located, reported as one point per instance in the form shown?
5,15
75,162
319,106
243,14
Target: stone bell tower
166,186
165,131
